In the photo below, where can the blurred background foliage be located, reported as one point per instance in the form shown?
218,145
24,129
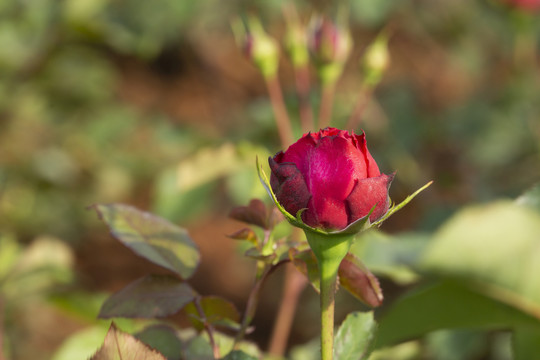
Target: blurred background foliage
154,105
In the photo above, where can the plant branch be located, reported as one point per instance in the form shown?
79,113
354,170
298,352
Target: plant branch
280,111
295,283
363,100
209,328
302,88
327,101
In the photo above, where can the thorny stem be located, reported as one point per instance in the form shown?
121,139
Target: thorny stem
280,111
295,283
327,101
302,88
209,328
360,106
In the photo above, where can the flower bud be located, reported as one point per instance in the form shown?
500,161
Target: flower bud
332,178
330,46
257,45
526,5
376,60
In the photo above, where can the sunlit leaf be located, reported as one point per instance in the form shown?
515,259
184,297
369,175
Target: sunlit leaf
354,338
81,344
359,281
245,234
256,254
149,297
162,338
119,345
151,237
494,245
215,310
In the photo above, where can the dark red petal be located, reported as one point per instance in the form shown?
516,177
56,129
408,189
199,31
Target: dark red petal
366,194
289,186
334,166
372,168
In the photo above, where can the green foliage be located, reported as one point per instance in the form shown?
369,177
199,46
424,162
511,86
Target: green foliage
153,296
153,238
355,337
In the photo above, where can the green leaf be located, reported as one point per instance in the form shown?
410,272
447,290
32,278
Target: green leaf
238,355
216,311
151,237
354,338
359,281
119,345
162,338
149,297
494,246
526,344
447,305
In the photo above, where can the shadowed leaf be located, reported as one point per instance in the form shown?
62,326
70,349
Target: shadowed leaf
306,262
149,297
152,237
254,214
354,338
162,338
215,311
119,345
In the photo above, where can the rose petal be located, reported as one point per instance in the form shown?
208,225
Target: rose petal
366,194
334,166
289,186
371,165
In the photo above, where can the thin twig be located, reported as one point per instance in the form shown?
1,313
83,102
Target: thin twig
280,111
327,101
1,328
302,88
209,328
363,100
295,283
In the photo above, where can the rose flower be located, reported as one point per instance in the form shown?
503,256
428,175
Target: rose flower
331,175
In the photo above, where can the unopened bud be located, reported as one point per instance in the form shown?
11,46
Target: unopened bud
376,60
330,46
257,45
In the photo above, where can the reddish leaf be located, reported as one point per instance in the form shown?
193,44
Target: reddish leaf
119,345
359,281
245,234
306,262
254,214
149,297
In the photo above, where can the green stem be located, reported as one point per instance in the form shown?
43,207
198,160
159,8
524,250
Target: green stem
330,251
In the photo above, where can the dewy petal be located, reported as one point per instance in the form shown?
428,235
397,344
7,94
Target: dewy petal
335,164
289,186
366,194
361,144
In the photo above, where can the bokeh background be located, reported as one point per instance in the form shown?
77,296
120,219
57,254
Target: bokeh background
153,104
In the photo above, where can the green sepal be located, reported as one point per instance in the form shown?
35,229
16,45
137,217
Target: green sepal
394,208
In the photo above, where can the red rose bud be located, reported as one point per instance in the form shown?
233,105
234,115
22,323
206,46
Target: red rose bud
331,175
526,5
